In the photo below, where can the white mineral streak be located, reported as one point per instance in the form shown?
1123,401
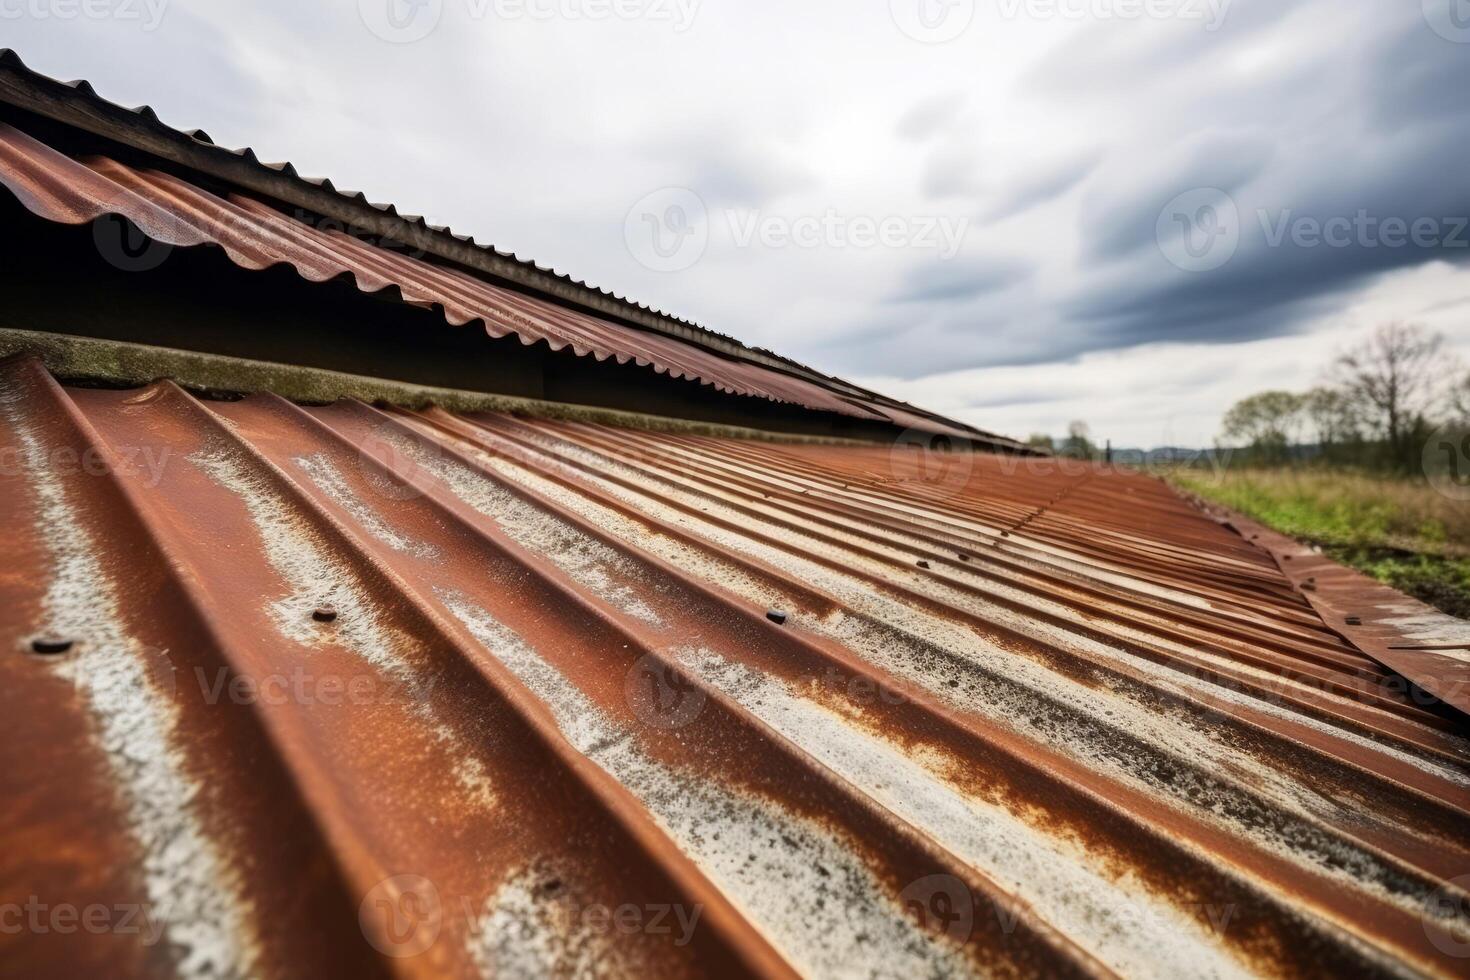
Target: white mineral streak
194,892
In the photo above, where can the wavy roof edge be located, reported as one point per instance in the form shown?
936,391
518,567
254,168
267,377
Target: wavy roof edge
76,103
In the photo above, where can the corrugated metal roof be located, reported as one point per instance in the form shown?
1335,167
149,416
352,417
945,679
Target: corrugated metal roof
517,696
77,105
175,212
80,92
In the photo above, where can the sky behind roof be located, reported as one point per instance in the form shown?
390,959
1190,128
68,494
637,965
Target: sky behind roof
1017,212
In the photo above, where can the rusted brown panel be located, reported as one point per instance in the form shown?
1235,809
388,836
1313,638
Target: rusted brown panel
866,716
175,212
1399,632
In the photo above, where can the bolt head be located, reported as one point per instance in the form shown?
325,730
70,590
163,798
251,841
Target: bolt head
51,645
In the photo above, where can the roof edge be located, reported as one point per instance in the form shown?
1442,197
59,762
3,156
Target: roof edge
115,362
77,104
1429,648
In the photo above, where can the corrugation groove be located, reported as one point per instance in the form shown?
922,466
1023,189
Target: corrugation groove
854,711
169,209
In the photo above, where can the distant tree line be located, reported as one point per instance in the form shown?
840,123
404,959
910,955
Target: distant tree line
1077,445
1378,407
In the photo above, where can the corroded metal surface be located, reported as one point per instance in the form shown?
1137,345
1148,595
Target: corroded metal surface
1413,639
352,690
178,213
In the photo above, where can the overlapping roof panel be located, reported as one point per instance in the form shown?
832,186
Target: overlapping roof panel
255,236
348,689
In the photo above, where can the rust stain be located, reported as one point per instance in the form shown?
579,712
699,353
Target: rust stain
550,724
1417,641
255,236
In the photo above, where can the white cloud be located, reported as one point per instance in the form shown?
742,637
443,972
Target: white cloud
1174,394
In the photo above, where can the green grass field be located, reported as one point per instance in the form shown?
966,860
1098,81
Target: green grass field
1400,532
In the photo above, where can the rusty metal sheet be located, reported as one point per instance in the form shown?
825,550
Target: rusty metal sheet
255,236
1403,634
338,689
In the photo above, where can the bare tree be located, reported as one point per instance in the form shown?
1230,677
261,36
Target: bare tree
1334,415
1392,377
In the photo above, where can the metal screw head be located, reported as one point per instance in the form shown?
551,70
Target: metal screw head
776,616
1355,620
325,614
923,564
52,646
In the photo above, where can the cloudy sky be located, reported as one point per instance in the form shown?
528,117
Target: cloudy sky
1019,212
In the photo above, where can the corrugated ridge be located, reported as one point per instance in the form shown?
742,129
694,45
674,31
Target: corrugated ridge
735,373
931,770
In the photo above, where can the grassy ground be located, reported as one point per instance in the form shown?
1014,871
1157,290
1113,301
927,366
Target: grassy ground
1400,532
